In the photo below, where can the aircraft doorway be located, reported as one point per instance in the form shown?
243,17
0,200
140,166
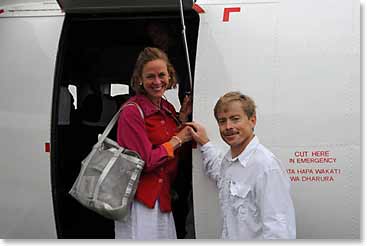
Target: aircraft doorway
96,55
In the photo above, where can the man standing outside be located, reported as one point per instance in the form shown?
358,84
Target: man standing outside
254,190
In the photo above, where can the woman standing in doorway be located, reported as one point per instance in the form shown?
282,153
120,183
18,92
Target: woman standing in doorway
157,137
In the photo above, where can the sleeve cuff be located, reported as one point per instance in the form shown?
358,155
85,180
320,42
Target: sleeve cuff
206,146
169,148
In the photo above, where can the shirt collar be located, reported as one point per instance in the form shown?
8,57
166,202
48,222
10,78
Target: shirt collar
245,155
147,106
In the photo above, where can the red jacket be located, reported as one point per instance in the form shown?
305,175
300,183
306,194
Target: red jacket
147,136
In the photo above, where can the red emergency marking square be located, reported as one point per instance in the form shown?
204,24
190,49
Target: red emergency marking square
47,147
1,11
229,10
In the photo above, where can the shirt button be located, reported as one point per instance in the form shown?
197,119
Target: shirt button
160,181
163,122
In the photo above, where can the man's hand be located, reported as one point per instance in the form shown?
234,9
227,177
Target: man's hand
198,132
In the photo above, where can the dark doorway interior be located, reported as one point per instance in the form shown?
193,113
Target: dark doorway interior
95,53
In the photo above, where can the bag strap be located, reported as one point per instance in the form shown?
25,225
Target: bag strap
114,119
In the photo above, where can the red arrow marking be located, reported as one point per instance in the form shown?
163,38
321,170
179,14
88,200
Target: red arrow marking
229,10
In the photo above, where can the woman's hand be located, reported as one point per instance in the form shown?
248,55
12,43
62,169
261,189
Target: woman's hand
183,136
186,108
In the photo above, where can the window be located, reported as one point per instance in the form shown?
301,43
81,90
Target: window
119,89
72,90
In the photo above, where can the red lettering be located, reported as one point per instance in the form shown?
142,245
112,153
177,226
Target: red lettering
301,153
294,178
317,178
320,153
291,171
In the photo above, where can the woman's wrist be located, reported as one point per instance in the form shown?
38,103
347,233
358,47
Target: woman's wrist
176,142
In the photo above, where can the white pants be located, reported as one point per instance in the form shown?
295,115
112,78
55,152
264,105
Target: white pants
146,224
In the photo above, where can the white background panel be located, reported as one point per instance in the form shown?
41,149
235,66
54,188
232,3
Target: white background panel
299,60
25,110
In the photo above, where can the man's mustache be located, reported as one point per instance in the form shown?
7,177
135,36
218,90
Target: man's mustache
230,132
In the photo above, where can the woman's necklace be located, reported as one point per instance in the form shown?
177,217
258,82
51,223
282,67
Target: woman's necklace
157,105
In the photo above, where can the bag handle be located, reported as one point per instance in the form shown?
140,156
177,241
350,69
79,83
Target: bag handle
114,119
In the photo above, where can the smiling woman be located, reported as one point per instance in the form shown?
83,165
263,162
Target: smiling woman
153,74
155,80
157,137
95,58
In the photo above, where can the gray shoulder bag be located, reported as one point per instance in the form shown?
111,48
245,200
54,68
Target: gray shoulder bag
109,176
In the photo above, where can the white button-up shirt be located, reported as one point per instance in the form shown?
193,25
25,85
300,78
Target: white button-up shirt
254,193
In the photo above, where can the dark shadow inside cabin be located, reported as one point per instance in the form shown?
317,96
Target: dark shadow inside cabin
96,55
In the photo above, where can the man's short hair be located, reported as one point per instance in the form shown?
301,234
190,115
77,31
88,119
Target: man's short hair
247,103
